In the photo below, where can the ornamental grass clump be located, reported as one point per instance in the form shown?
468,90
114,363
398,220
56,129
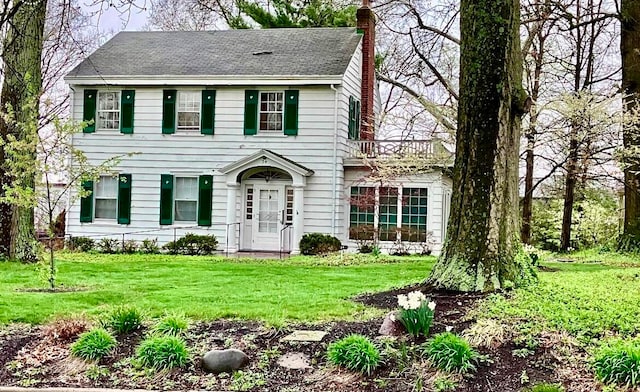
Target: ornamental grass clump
173,325
546,388
163,352
416,313
618,362
93,345
451,353
355,352
123,320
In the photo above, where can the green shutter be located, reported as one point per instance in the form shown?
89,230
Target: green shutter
205,187
356,121
166,199
351,126
86,203
127,99
208,112
250,112
89,111
124,199
169,111
291,112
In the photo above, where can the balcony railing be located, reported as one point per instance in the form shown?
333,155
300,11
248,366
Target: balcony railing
382,148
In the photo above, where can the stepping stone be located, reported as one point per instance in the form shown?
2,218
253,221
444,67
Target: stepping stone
294,361
305,336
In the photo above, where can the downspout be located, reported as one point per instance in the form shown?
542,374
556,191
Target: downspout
69,189
334,176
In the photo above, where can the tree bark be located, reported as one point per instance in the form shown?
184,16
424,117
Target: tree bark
629,48
22,54
569,190
483,233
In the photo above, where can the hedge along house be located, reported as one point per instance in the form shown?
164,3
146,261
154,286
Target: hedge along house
251,135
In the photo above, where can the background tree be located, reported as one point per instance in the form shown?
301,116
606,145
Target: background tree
482,236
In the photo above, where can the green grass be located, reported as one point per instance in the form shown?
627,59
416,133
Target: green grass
586,300
298,289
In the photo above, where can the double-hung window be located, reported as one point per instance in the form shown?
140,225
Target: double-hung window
186,199
106,197
189,110
271,112
109,110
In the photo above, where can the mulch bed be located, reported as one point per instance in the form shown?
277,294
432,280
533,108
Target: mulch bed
26,359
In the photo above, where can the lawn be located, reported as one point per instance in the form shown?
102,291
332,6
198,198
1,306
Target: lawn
273,291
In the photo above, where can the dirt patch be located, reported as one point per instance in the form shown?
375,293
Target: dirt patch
506,369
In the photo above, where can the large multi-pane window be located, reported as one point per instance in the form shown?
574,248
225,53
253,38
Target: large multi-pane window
109,110
362,213
106,197
189,110
186,199
414,214
271,111
388,214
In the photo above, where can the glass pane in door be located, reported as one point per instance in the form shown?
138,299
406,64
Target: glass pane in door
268,213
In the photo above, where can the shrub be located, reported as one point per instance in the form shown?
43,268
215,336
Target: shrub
619,362
319,244
93,345
150,246
449,352
546,388
130,247
193,244
65,329
416,313
171,325
82,244
163,352
355,352
123,320
108,245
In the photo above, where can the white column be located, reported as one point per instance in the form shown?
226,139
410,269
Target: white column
298,218
231,245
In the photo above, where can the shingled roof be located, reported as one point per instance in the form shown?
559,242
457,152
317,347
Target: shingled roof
230,53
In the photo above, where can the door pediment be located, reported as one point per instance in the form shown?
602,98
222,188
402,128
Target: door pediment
266,158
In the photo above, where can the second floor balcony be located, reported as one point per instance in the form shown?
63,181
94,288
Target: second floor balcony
431,149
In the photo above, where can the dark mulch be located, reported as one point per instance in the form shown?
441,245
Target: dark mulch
504,372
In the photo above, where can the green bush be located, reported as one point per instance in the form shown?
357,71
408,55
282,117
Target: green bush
93,345
108,245
319,244
82,244
130,247
173,325
163,352
355,352
123,319
193,244
150,246
546,388
450,353
618,362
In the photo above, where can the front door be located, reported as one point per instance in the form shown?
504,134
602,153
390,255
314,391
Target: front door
268,215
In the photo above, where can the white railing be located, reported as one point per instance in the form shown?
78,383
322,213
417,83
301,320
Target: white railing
382,148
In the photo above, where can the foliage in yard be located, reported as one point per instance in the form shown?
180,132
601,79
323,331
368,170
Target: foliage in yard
618,362
65,329
81,244
149,246
172,325
163,352
451,353
193,244
93,345
416,313
546,388
123,320
109,245
318,244
355,352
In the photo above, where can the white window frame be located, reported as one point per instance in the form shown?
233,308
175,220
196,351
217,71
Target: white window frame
97,197
117,103
189,128
260,112
176,200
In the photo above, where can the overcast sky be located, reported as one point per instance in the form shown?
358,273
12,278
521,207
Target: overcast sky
110,19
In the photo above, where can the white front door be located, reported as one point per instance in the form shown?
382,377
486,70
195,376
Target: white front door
267,218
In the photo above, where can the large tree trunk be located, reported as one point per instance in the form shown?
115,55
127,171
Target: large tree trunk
22,51
483,233
630,46
569,190
527,200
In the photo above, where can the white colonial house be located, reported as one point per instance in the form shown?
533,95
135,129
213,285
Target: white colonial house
252,135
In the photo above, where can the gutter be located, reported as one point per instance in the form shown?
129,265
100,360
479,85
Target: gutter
334,175
70,187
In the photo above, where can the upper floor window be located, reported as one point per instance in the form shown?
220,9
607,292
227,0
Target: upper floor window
271,111
109,110
354,118
189,110
186,199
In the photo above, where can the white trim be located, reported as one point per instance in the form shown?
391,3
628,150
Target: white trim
195,80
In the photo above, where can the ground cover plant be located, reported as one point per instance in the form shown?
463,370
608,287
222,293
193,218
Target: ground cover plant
618,362
355,352
93,345
162,352
451,353
123,319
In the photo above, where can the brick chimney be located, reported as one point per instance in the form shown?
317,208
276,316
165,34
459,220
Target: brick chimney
367,27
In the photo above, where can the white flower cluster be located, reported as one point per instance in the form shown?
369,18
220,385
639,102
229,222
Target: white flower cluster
413,301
